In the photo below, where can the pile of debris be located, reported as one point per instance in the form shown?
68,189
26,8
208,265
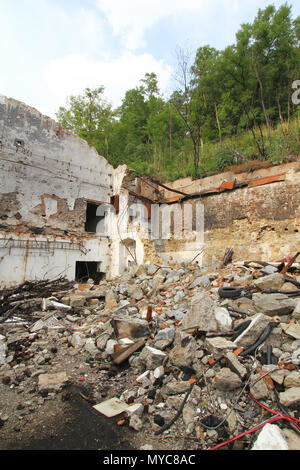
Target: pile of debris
214,350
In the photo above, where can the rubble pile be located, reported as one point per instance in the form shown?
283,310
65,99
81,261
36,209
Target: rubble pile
201,357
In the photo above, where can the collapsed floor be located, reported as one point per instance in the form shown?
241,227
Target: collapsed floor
184,357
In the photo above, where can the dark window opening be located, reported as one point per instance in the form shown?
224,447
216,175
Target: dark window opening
88,270
92,219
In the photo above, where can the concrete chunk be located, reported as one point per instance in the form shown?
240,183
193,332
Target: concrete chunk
272,281
235,365
227,380
273,304
270,438
256,328
201,315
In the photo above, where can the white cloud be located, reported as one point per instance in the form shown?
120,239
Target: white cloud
131,19
72,74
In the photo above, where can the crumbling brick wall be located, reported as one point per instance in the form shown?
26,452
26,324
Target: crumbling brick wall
261,222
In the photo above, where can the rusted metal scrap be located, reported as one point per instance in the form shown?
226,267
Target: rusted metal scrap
289,264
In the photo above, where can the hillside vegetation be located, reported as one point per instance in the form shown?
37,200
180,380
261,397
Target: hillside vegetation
228,107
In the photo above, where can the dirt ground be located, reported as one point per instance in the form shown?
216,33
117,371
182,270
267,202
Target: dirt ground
68,421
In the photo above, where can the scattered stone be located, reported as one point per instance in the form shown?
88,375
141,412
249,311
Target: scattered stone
136,409
52,382
235,365
273,304
292,439
176,388
227,380
250,335
183,354
270,438
200,317
292,330
190,337
151,358
219,345
77,340
76,300
277,375
290,397
258,388
296,312
269,269
272,281
292,380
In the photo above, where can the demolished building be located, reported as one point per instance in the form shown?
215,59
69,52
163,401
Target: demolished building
51,186
176,339
65,211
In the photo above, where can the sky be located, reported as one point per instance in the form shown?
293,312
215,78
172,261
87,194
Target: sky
52,49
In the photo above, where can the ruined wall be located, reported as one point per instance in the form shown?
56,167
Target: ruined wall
260,222
47,175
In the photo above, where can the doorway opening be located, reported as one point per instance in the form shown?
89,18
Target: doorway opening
88,270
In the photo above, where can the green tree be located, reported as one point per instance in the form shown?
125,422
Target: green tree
90,117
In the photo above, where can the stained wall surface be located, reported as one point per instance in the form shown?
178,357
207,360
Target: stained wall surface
47,176
260,220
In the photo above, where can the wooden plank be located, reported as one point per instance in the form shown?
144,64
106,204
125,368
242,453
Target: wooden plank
122,355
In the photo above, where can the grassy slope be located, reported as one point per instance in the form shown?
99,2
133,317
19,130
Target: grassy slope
284,142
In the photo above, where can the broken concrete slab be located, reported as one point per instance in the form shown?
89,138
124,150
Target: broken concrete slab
125,327
135,292
270,438
296,312
277,375
183,356
50,322
235,365
219,345
292,330
201,316
252,333
292,438
292,379
290,397
258,388
273,304
77,300
175,388
269,269
151,358
200,281
271,281
227,380
223,318
52,382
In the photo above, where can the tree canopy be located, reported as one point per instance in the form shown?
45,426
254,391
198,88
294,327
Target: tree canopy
227,105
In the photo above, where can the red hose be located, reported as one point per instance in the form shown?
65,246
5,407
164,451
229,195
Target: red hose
278,416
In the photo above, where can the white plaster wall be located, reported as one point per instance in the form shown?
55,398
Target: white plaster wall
19,264
51,161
